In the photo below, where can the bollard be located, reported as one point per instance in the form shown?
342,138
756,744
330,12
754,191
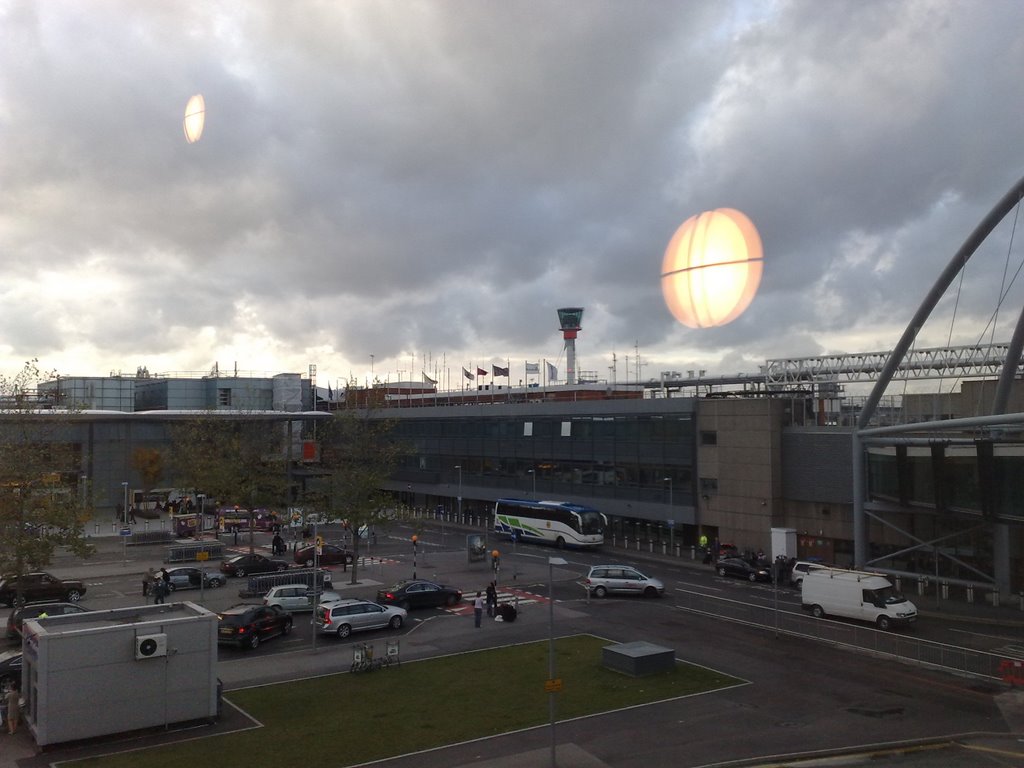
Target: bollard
693,553
679,550
97,529
898,581
664,548
921,582
970,594
637,543
995,598
650,546
945,590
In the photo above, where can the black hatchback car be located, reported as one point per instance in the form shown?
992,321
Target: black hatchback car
419,594
249,625
737,566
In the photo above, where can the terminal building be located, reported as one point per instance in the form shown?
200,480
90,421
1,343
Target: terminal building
675,459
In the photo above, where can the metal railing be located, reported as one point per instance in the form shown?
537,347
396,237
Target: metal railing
864,638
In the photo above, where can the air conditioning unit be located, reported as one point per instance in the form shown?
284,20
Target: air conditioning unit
150,646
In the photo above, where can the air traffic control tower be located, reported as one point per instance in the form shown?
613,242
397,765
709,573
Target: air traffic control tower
569,319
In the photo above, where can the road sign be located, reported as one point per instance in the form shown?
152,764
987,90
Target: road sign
126,532
553,686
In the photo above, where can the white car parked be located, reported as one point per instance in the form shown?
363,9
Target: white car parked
297,597
800,569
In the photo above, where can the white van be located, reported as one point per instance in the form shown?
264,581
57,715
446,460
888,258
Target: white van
856,595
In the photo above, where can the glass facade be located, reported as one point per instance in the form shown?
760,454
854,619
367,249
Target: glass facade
560,456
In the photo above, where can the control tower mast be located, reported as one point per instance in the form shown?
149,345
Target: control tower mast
569,319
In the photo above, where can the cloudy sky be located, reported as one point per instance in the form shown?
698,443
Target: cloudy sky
417,186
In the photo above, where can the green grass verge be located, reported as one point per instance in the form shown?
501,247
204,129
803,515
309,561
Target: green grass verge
347,719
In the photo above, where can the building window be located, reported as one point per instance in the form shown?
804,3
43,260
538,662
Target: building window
708,438
224,397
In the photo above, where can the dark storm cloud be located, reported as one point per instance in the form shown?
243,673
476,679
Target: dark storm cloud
427,182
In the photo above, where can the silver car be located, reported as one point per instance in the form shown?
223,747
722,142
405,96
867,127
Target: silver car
621,579
296,597
344,617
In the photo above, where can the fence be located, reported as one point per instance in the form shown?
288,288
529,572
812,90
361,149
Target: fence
259,585
894,644
187,553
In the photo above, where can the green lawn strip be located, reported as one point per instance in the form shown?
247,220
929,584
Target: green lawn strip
346,719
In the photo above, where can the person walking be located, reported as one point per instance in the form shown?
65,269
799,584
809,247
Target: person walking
159,590
13,706
478,609
492,599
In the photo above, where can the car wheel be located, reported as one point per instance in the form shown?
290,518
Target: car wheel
600,591
451,600
171,587
282,567
650,592
240,572
818,612
884,624
309,562
344,631
404,605
74,596
215,583
560,543
751,577
253,642
721,571
396,622
287,628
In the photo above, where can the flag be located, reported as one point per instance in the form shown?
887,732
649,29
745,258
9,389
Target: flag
532,368
552,371
481,372
428,380
330,395
467,374
496,371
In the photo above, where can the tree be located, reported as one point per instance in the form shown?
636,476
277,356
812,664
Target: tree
357,454
234,458
40,506
149,463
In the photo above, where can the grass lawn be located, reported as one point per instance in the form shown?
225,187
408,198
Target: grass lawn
347,719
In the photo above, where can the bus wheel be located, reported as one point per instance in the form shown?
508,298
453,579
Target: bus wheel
560,543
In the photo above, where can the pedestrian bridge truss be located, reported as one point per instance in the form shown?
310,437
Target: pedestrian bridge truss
937,363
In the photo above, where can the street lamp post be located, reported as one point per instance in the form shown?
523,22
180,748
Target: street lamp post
552,684
124,539
671,527
459,467
415,549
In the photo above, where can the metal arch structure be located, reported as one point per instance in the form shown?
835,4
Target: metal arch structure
1008,368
